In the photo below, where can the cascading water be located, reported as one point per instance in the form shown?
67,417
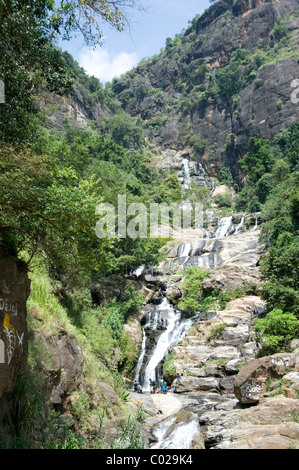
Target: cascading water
186,177
240,227
184,250
224,228
143,349
256,221
180,436
138,271
174,330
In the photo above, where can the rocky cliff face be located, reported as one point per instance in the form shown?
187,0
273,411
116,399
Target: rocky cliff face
14,291
73,108
180,94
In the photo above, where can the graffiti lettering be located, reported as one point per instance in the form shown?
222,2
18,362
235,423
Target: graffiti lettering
9,306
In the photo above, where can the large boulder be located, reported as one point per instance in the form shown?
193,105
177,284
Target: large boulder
174,293
14,291
250,383
64,365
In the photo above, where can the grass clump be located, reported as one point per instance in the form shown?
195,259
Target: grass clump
216,332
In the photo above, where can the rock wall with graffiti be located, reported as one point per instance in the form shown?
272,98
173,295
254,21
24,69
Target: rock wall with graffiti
14,291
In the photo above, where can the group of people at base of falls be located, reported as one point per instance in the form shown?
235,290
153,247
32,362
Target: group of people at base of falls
154,387
137,387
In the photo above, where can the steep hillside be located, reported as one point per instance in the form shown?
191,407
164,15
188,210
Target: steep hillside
227,77
214,107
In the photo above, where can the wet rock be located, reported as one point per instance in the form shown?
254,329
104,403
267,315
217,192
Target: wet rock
174,293
179,431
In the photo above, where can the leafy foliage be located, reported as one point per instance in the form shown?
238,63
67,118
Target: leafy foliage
192,289
272,185
276,331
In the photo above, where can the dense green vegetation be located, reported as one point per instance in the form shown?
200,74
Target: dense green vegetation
272,175
53,180
106,350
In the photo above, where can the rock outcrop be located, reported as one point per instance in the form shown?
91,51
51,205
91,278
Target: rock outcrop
270,425
176,100
73,109
251,382
64,365
212,353
14,291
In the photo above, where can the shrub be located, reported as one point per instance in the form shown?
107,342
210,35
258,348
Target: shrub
225,200
216,332
192,289
169,370
276,331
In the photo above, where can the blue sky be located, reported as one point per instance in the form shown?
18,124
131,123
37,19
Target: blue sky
121,52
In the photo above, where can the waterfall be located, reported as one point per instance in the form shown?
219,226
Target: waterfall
204,261
187,177
184,250
180,436
224,228
138,271
240,227
143,349
175,329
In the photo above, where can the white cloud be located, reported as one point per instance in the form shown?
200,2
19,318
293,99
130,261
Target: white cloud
104,65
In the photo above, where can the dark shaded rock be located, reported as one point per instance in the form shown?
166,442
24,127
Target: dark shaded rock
64,365
14,291
226,384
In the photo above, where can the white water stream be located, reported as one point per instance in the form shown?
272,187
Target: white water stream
164,328
186,177
225,225
180,437
166,316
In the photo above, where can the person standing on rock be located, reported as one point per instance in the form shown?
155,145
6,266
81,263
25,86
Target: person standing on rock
178,378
